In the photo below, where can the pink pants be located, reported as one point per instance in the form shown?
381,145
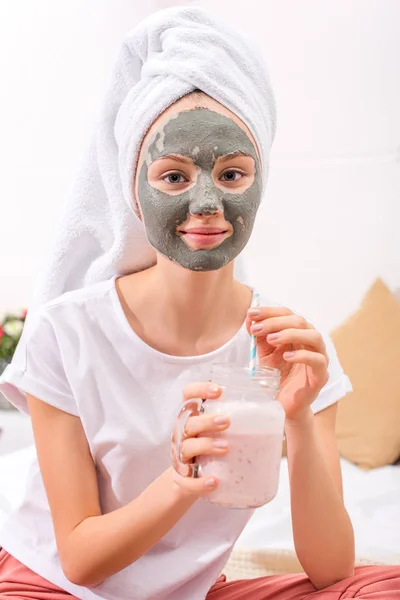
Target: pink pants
17,582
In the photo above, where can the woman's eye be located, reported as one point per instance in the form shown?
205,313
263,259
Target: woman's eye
231,176
174,178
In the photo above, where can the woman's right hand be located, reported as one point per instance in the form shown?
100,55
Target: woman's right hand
200,437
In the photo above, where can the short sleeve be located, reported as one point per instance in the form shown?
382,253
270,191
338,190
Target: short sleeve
37,368
338,384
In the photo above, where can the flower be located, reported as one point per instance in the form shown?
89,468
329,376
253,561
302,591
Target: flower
16,314
13,328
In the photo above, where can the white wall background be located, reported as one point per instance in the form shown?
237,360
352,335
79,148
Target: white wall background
331,217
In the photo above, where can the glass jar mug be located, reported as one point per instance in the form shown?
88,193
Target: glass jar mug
249,473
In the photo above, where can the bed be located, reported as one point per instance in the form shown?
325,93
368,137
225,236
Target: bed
373,501
266,544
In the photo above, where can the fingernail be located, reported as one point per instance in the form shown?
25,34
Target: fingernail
220,444
221,420
213,389
288,354
210,482
256,328
253,312
272,336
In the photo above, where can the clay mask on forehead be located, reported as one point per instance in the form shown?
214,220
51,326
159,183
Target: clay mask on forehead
202,135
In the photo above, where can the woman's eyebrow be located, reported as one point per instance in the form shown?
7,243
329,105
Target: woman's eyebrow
176,157
227,157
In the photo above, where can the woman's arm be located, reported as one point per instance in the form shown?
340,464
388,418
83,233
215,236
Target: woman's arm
323,534
93,546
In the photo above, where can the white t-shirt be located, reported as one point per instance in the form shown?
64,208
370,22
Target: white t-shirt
84,358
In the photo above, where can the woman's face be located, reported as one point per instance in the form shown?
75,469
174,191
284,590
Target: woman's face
198,184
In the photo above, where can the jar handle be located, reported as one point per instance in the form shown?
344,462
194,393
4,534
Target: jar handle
190,408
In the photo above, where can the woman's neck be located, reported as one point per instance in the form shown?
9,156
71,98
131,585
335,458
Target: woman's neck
183,312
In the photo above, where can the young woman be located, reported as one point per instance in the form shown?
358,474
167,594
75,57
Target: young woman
103,369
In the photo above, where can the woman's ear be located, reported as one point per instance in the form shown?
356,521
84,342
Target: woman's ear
135,199
137,207
136,204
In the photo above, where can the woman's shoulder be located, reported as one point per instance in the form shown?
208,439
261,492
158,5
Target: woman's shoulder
51,346
79,298
68,314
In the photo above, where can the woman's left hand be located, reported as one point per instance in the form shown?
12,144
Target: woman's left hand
289,343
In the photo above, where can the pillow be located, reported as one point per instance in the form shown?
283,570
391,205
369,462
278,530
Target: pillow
368,345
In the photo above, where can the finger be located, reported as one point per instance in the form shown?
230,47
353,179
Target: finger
200,486
204,390
206,423
260,313
193,447
316,361
311,338
267,312
275,324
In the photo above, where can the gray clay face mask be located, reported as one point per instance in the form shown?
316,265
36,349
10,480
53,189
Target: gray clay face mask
202,135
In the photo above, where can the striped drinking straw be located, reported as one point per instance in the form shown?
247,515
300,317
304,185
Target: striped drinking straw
253,341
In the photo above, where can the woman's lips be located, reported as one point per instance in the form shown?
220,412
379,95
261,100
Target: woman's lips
204,237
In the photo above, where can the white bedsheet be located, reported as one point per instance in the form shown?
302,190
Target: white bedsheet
14,469
372,498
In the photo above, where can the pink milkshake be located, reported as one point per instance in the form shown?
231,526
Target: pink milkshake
249,473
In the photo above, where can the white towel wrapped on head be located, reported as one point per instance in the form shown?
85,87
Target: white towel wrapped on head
166,56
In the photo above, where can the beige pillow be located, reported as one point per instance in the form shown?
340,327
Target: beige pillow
368,345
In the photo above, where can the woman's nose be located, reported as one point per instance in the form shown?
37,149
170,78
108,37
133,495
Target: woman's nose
205,200
206,209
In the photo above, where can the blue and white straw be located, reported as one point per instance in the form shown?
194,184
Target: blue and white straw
253,341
